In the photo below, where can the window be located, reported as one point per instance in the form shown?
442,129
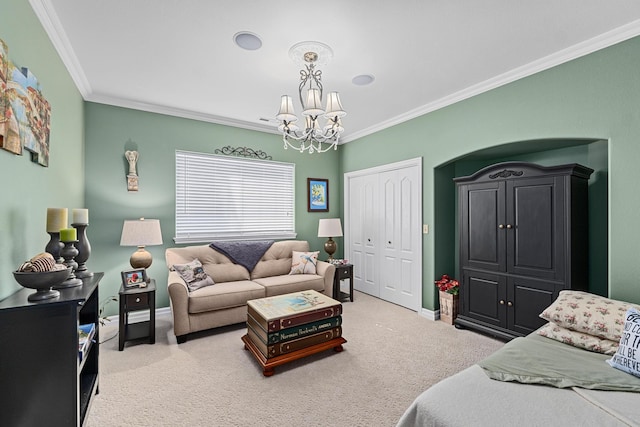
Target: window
232,198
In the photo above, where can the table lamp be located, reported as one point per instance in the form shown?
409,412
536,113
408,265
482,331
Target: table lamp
330,227
141,232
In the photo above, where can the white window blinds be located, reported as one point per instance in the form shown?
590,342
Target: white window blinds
231,198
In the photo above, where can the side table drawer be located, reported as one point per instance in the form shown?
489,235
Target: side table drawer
137,301
343,273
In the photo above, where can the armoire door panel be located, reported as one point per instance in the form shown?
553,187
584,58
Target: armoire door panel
483,222
535,244
484,297
526,299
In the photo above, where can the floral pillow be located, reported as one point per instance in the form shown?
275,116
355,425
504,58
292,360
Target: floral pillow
578,339
588,313
304,262
627,358
194,275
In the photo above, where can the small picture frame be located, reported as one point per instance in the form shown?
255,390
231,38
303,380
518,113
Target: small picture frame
317,195
134,278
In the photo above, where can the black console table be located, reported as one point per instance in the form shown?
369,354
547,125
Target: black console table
43,382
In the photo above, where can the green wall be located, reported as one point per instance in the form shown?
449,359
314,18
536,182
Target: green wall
110,131
28,189
586,152
595,97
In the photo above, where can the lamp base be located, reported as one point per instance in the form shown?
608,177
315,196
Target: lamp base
141,258
330,247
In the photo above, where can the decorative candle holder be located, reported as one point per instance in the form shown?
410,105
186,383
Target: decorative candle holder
54,246
84,251
69,252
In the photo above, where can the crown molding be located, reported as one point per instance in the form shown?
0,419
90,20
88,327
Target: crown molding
53,27
602,41
179,112
45,12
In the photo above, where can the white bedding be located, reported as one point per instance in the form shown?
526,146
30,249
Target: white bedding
471,398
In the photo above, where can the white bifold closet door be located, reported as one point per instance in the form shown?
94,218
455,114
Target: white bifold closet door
383,231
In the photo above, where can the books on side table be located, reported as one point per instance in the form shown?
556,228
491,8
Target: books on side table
285,323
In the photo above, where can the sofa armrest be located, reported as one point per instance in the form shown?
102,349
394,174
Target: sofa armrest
179,298
326,270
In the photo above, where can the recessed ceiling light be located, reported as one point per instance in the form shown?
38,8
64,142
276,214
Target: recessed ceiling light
363,79
247,40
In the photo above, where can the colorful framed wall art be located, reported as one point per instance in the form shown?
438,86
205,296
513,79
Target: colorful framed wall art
317,195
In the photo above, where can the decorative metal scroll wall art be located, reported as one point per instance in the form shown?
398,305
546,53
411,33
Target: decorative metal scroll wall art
243,152
25,115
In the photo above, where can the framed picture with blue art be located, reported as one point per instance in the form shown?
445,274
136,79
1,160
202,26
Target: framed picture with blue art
317,195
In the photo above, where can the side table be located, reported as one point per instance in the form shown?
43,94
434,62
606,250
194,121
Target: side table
343,271
137,299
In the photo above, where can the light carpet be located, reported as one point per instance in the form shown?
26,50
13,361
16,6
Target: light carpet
392,354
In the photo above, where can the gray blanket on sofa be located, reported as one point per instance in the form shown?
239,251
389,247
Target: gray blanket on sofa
247,253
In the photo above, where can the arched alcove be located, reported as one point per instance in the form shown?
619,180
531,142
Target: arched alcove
591,152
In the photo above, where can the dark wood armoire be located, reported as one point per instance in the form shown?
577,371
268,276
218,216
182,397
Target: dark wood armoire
523,238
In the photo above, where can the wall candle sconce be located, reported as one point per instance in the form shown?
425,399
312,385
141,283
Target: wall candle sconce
132,176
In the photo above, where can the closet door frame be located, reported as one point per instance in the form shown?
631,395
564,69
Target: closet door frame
375,171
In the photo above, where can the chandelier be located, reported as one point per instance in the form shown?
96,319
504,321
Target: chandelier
313,138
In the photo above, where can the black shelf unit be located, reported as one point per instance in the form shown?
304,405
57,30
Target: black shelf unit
42,378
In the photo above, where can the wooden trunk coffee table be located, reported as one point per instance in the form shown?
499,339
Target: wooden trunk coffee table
268,365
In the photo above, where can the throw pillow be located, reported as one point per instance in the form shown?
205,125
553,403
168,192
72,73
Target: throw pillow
194,275
578,339
304,262
627,358
588,313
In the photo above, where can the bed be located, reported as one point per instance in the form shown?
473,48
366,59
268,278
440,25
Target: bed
537,381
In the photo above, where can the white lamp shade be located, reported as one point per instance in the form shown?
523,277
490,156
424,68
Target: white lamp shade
329,227
334,106
286,112
141,232
313,106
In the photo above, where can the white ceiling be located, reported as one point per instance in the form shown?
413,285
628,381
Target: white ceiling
178,57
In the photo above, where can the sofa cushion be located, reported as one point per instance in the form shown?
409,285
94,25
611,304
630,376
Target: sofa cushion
224,295
278,285
304,262
194,275
277,260
216,265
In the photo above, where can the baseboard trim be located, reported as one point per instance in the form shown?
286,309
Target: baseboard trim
141,316
430,314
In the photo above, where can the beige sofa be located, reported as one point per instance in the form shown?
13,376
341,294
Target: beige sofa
225,303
